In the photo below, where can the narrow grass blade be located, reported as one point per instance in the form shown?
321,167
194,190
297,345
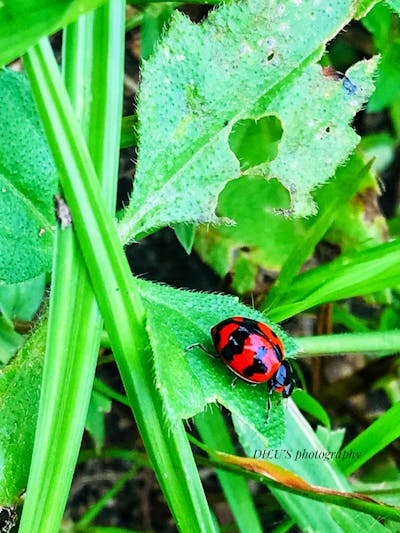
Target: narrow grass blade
212,429
363,273
372,440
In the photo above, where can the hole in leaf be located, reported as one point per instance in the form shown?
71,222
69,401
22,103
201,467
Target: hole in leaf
270,56
255,141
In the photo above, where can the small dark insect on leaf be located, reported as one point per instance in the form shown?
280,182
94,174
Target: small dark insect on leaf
63,213
331,74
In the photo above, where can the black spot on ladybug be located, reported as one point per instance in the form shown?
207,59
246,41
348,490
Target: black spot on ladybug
235,344
278,352
257,367
216,336
274,335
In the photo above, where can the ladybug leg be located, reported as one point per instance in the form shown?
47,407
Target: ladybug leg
233,384
270,389
199,345
268,408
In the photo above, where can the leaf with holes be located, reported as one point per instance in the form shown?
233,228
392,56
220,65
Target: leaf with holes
245,61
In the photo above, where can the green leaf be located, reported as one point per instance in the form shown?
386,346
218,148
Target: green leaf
380,147
23,22
378,22
21,300
388,79
332,440
28,181
119,301
95,423
185,234
359,223
128,131
262,240
255,141
10,341
189,380
244,61
19,399
310,405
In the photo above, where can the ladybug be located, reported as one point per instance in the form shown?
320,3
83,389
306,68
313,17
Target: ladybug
254,353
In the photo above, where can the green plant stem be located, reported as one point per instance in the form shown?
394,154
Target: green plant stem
117,295
375,341
75,323
104,389
91,514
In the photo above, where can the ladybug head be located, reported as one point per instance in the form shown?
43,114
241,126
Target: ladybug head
283,381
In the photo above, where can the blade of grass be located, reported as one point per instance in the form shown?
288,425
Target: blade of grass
117,296
75,322
363,273
107,391
213,431
96,508
372,440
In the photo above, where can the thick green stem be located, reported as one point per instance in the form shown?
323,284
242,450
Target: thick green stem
374,341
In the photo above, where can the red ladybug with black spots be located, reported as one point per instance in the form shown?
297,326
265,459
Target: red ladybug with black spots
254,353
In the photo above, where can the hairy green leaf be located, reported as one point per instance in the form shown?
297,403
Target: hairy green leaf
10,340
245,61
262,240
19,400
189,380
28,181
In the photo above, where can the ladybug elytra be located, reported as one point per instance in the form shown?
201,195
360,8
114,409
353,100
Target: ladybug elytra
254,353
